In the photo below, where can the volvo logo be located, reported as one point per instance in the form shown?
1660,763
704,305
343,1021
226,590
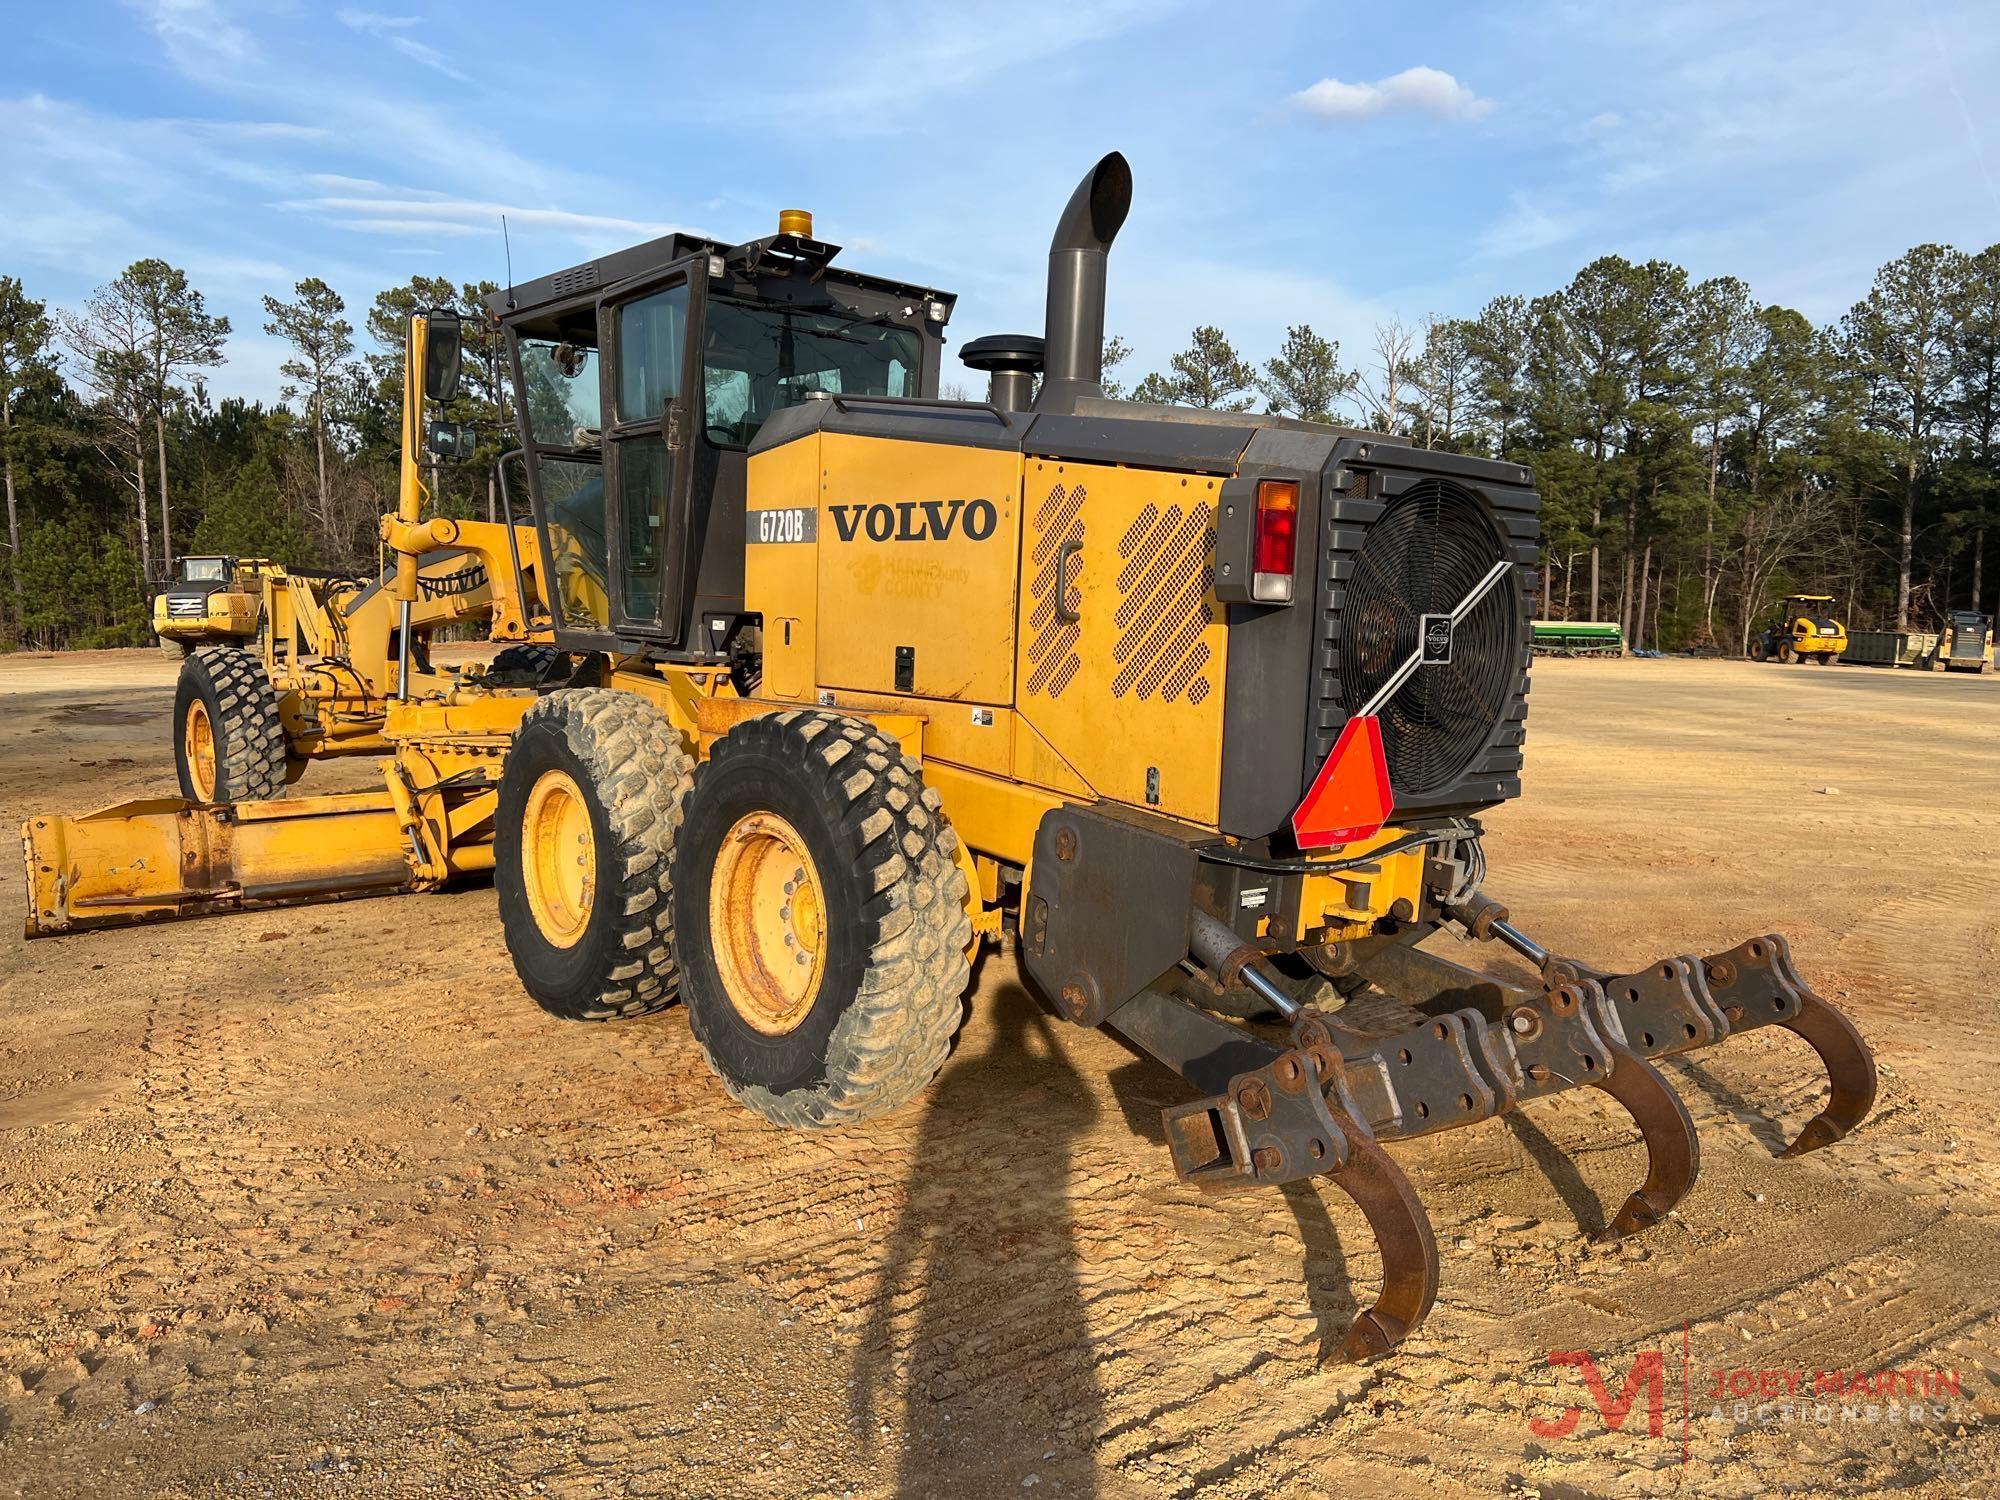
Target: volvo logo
1436,631
916,520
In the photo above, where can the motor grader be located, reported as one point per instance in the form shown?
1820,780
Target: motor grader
1199,707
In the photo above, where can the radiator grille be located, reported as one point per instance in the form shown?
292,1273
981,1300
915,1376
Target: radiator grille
1398,546
1431,547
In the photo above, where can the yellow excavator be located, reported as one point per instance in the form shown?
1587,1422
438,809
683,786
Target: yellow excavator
1200,707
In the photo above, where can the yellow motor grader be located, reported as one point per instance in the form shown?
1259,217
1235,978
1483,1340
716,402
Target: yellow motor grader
1200,707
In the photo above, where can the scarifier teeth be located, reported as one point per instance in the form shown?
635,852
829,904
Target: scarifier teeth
1751,985
1673,1152
1470,1046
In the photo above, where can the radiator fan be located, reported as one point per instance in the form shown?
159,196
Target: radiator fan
1427,552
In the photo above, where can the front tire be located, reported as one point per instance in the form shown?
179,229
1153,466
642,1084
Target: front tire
823,921
172,649
229,740
583,844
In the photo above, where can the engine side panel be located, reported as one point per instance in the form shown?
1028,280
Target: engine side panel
1123,674
919,547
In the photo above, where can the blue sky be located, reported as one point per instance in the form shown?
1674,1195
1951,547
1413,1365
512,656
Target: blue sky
1331,164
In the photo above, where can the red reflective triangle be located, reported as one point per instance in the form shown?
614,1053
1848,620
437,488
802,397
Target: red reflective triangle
1350,799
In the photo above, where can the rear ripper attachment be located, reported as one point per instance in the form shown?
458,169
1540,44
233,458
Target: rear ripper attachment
1381,1041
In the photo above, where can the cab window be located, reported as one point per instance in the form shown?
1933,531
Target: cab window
652,337
757,359
560,383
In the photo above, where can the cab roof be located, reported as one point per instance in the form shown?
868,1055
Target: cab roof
781,267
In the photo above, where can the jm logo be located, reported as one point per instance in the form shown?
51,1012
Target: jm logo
1647,1379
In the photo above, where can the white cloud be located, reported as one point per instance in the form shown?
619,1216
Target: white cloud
392,29
1529,225
371,208
1418,90
197,35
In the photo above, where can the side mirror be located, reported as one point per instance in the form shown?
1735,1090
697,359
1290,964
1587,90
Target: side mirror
451,440
442,341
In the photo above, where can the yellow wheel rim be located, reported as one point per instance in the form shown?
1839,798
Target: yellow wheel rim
766,915
198,740
558,858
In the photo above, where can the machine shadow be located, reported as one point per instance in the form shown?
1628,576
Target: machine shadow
1769,1132
998,1374
1562,1174
1143,1088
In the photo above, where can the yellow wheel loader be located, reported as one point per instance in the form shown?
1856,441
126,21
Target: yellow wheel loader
1964,645
1804,629
1197,708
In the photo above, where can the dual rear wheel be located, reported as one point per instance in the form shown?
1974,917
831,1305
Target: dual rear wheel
800,891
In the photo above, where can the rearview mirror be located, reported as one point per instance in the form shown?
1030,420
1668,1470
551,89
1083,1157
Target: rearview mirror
451,440
442,341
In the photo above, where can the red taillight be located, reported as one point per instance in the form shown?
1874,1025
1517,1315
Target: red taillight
1277,541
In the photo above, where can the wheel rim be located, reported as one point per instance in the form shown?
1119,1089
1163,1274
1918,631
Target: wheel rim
558,858
766,922
198,741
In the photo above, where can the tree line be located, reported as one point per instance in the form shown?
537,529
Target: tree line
1699,453
118,457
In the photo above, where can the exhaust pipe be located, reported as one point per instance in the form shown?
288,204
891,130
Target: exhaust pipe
1074,320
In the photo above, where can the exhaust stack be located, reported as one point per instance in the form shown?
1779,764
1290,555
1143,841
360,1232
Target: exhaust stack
1074,320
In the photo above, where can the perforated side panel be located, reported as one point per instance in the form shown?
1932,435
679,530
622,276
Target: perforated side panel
1165,577
1128,695
1052,657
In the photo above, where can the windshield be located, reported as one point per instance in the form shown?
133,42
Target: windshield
205,569
757,359
560,384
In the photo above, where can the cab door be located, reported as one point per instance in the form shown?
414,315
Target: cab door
651,391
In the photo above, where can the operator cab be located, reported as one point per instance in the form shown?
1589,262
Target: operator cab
640,381
207,570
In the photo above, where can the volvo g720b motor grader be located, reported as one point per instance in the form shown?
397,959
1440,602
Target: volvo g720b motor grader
1201,705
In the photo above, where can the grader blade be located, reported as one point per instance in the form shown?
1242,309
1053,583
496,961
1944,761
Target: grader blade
162,858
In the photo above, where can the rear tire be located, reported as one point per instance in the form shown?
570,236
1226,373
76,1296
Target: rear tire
527,665
583,845
835,996
229,739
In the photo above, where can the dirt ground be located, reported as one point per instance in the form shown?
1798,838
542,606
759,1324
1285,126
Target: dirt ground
317,1202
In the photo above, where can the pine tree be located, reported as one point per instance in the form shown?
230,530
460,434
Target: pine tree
312,325
1304,378
1208,373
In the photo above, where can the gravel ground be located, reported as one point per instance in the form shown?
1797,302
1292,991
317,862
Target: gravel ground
316,1202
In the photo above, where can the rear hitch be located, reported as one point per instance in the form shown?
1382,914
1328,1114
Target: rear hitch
1469,1047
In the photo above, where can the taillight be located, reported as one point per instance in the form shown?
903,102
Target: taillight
1277,546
